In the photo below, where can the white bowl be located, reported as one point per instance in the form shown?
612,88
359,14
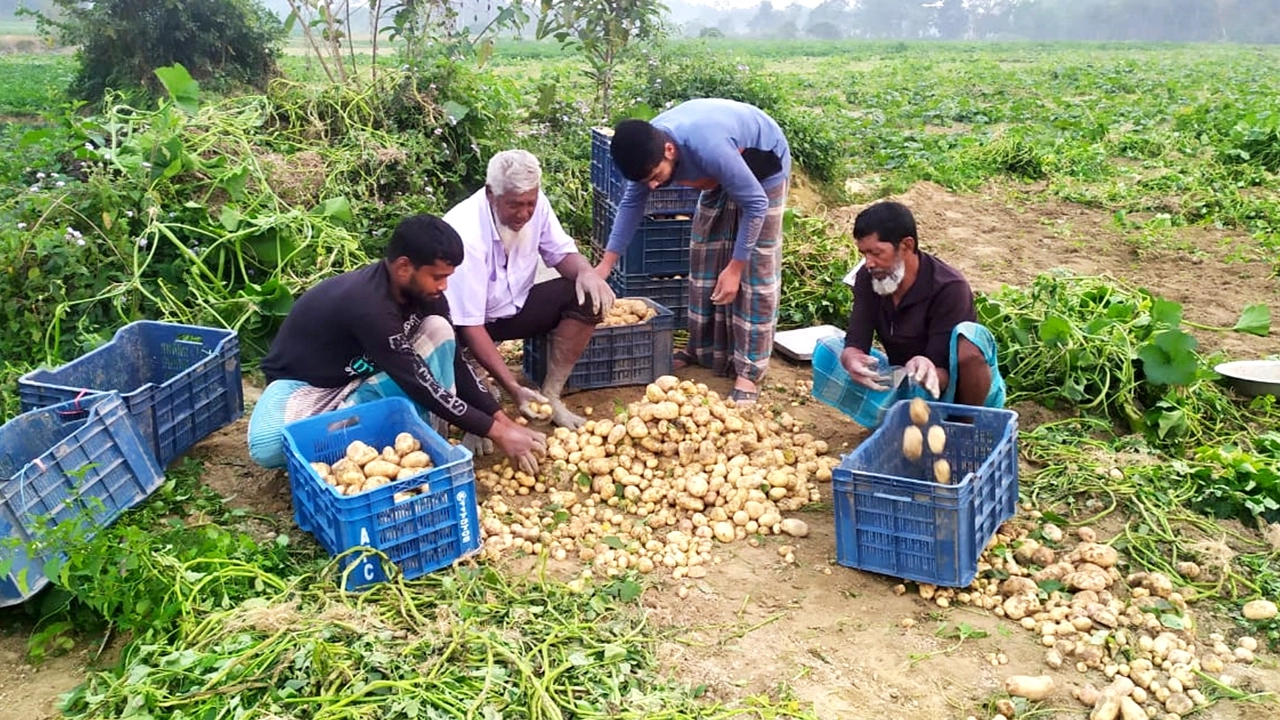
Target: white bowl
1252,377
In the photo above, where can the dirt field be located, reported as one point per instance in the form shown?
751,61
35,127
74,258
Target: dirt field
833,635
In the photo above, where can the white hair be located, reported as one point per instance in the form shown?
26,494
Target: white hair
513,171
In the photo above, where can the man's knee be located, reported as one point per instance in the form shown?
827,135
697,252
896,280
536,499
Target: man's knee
974,381
433,332
266,437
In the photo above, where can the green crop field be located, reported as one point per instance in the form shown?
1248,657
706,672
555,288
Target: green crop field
1117,207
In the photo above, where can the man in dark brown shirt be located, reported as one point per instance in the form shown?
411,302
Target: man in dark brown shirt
921,310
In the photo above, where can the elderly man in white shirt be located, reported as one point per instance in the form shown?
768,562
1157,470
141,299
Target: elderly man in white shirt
505,228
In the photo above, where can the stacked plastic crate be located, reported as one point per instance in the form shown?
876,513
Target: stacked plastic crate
656,262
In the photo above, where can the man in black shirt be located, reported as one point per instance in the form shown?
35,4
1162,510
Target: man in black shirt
382,330
921,310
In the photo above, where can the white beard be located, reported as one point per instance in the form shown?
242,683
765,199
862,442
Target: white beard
888,284
513,240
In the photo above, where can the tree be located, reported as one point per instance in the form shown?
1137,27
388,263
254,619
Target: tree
603,30
829,19
122,42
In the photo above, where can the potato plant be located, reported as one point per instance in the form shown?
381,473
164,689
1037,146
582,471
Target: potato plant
661,484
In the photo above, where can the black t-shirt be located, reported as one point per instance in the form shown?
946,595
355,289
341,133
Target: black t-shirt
921,324
349,327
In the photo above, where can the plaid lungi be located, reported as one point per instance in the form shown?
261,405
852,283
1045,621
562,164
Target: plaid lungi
285,401
734,339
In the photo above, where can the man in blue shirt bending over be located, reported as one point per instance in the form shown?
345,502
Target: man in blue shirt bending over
739,158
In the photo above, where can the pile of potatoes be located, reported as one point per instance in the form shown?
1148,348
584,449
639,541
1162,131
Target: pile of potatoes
658,485
913,438
1102,623
362,467
628,311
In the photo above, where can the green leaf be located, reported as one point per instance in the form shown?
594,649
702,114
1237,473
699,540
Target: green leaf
1255,320
32,137
629,590
1166,312
577,658
182,88
229,218
1173,622
614,653
1169,358
614,542
338,208
455,111
1055,330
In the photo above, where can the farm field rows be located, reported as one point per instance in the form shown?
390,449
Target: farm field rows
1089,180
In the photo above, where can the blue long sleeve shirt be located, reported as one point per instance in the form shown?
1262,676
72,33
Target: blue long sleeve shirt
711,136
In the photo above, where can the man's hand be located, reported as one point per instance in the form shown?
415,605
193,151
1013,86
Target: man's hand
922,370
524,446
526,399
863,368
589,285
727,284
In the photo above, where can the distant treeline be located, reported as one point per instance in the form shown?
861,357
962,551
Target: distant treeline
1244,21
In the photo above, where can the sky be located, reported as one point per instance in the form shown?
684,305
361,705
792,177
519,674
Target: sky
753,3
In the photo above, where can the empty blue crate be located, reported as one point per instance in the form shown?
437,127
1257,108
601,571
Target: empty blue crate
669,292
421,523
180,382
659,247
675,200
892,518
66,471
617,355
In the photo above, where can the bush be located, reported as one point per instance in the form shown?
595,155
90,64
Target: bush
223,43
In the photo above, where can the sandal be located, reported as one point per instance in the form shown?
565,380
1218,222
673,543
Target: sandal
744,397
681,360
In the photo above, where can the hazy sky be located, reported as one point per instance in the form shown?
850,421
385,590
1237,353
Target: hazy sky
753,3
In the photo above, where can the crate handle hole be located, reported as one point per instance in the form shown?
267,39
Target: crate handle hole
344,423
895,498
959,419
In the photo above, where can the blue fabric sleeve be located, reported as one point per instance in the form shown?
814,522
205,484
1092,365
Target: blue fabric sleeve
627,221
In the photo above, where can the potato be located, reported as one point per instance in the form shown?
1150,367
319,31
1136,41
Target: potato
1104,556
912,443
407,472
351,477
942,471
322,469
416,459
361,453
1031,688
390,455
937,439
381,467
406,443
1258,610
919,412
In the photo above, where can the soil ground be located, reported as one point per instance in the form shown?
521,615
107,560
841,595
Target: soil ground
834,636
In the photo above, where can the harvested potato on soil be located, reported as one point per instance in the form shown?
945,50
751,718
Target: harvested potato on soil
661,485
912,443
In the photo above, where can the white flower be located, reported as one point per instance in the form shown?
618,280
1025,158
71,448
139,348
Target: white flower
128,213
22,226
41,176
59,184
142,242
34,188
146,165
80,241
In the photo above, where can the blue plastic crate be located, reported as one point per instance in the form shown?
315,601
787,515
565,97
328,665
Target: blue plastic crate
833,386
616,356
81,463
891,517
605,177
669,292
180,382
420,534
659,247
